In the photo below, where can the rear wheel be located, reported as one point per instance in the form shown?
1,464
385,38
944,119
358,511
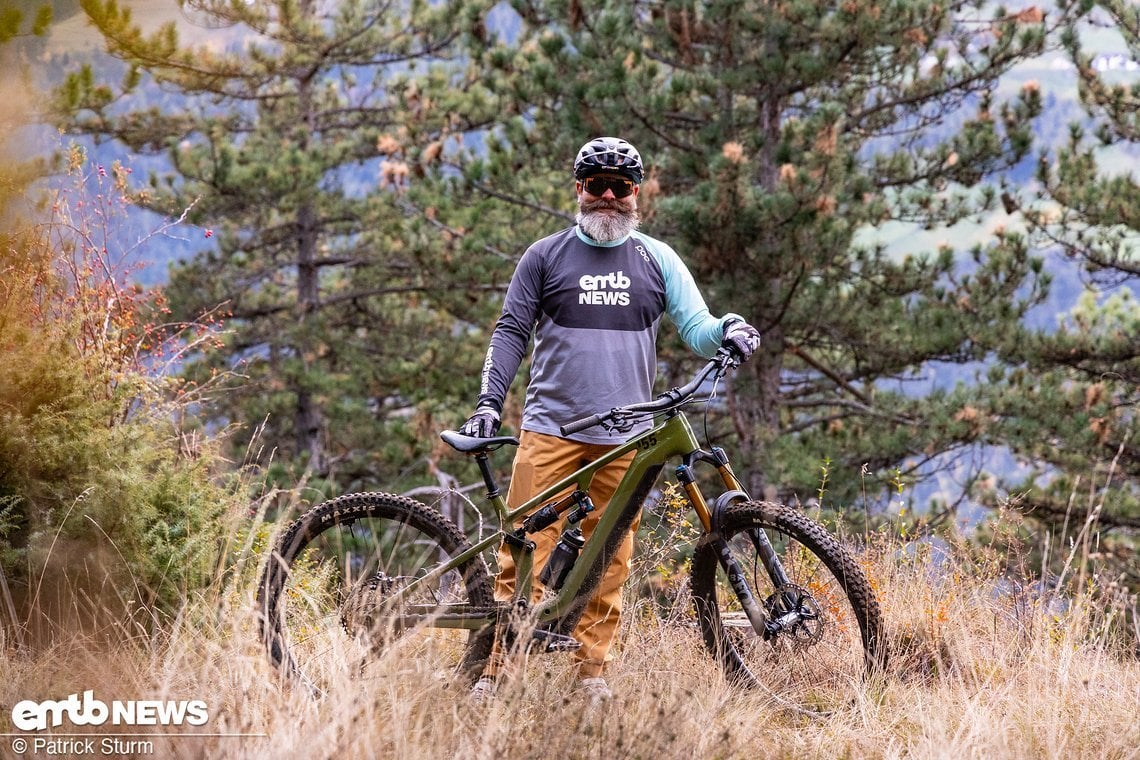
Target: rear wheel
331,598
832,633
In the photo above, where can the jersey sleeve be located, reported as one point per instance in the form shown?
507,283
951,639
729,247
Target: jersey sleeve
685,305
512,331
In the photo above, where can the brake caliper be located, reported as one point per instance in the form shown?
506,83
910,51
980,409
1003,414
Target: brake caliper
794,613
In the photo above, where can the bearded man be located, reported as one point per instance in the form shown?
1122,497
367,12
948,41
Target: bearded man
593,296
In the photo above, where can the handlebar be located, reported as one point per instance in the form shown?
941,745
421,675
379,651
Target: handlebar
668,400
577,426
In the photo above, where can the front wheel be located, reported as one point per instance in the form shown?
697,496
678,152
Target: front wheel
336,590
832,637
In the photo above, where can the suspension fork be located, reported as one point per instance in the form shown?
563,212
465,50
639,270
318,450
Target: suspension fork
737,579
758,537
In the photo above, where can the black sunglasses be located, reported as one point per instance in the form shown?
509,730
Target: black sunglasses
598,184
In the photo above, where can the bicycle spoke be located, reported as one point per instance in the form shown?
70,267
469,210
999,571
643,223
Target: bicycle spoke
328,617
812,656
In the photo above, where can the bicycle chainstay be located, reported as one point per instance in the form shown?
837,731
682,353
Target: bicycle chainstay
542,638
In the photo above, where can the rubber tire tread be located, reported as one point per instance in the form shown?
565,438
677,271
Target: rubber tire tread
740,516
329,514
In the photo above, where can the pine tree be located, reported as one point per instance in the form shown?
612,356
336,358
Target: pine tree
1075,388
304,153
14,24
780,138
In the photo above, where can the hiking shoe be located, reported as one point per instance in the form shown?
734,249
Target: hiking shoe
595,689
483,691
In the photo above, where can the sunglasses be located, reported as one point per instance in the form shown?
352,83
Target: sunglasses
598,184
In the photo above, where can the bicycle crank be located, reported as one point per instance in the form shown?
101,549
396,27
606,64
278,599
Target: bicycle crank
550,641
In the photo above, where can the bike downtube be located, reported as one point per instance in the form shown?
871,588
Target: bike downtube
673,437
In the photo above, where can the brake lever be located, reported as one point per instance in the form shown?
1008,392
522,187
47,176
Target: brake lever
728,359
621,424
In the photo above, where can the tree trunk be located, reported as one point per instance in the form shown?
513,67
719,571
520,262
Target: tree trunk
309,419
755,405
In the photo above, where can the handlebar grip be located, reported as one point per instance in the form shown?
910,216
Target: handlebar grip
578,426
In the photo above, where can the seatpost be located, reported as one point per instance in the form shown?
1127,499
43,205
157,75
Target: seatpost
488,477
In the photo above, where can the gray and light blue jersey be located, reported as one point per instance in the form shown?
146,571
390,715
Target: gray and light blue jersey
594,310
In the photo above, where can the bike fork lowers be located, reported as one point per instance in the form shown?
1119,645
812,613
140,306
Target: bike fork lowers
737,579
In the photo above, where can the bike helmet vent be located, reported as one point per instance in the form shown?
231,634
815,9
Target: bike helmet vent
609,154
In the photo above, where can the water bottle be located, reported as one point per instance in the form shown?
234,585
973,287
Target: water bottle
562,559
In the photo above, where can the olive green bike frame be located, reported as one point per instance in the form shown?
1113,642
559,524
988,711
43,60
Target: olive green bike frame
669,439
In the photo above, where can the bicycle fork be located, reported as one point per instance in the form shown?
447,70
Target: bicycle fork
761,622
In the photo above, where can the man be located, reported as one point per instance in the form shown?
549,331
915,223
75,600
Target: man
593,296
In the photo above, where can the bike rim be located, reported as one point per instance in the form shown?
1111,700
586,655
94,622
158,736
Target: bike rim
333,622
818,664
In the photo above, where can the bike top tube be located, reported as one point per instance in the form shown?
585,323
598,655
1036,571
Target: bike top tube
669,402
673,437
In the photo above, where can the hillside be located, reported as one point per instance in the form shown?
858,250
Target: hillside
979,668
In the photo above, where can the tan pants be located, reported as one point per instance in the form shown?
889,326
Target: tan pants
541,461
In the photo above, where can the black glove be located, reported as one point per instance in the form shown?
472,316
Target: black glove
484,423
741,337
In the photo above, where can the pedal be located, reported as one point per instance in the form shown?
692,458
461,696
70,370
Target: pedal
555,642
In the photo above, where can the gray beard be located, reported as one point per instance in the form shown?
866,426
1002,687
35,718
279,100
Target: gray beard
606,227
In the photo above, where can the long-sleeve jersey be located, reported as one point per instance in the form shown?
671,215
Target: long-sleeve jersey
594,310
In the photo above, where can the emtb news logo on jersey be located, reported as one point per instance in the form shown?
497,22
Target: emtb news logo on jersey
604,289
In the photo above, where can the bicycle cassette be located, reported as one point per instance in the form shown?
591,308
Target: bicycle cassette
358,612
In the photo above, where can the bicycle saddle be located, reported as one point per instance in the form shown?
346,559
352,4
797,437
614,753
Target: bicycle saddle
469,444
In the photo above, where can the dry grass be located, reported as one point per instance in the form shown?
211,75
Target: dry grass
979,670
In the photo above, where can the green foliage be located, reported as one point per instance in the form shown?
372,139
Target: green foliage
96,482
1069,412
779,137
1065,399
782,139
12,22
320,170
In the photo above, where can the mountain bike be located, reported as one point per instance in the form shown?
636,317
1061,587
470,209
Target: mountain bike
780,603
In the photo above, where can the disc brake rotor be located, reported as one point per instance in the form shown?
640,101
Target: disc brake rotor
801,616
360,611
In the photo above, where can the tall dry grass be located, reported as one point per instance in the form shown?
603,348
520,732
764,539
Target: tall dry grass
980,668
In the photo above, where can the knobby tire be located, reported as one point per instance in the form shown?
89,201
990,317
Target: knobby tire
815,670
331,542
